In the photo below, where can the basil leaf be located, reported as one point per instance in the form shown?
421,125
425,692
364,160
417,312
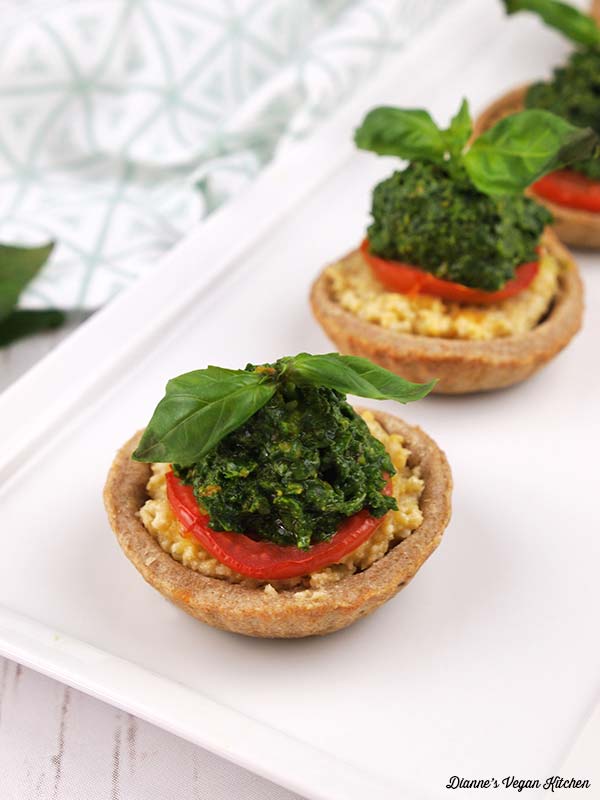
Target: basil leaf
25,323
522,148
18,265
354,375
459,132
577,26
198,410
407,133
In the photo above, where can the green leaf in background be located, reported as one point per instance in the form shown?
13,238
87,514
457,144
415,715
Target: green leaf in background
354,375
199,409
406,133
18,265
23,323
459,132
521,148
573,23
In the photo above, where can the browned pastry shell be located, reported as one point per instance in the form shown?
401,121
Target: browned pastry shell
572,225
289,614
460,365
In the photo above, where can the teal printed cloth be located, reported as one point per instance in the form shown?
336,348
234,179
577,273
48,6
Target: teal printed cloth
124,122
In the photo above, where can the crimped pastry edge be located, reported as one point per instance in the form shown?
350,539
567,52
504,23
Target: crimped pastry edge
461,366
572,225
251,611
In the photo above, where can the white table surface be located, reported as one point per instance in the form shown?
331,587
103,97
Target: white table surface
59,744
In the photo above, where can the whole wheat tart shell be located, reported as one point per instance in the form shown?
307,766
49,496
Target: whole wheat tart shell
250,611
572,225
461,366
595,10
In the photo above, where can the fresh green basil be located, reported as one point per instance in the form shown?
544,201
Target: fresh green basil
354,375
21,323
576,26
18,265
200,408
408,133
459,131
504,160
522,148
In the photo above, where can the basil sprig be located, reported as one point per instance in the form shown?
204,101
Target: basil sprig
573,23
507,158
412,134
18,266
201,407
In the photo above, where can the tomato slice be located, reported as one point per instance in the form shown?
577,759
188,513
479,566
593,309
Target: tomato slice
407,279
569,188
267,560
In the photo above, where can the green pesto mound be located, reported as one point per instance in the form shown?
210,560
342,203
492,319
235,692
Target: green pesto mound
294,471
444,225
574,94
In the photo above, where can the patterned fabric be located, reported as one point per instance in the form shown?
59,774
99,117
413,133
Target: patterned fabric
125,121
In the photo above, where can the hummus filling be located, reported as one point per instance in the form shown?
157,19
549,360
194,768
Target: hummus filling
407,485
355,288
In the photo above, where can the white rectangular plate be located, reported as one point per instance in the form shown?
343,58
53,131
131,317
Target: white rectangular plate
484,666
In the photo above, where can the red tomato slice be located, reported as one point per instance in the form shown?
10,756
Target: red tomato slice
569,188
407,279
267,560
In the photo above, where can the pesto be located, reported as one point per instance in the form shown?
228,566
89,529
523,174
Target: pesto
574,94
444,225
295,470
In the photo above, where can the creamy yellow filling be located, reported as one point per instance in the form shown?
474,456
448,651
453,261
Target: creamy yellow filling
357,291
159,520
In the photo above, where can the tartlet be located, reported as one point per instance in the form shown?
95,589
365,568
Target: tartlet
459,278
460,366
285,614
572,225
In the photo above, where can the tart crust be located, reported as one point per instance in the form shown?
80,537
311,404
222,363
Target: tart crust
595,10
572,225
460,366
286,614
